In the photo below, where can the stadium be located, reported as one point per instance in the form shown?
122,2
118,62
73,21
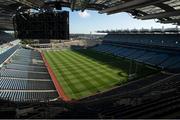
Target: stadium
46,72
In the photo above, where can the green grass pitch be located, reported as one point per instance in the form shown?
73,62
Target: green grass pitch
82,73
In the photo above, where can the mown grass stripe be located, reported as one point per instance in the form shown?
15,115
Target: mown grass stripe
86,72
69,83
87,84
50,57
105,73
92,74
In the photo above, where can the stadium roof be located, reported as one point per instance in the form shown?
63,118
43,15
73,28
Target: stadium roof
165,11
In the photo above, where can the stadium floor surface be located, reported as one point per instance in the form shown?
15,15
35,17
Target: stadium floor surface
81,76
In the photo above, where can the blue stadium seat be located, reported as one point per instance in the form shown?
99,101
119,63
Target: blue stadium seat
8,53
25,84
146,56
157,59
160,50
170,61
175,67
23,80
168,40
137,54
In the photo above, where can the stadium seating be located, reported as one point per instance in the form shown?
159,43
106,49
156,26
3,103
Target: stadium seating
123,90
24,78
145,110
158,50
18,96
24,74
155,100
5,37
161,40
26,68
7,53
25,84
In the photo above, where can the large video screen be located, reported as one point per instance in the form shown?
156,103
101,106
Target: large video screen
45,25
